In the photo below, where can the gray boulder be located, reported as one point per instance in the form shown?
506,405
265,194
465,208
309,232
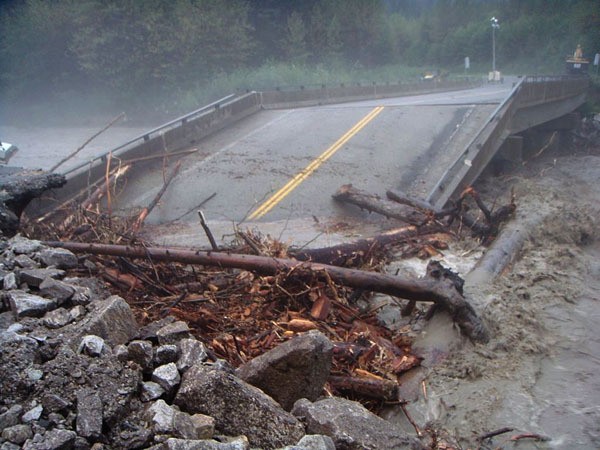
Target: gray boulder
150,390
25,262
91,345
141,353
89,414
351,425
112,320
191,352
60,258
196,426
237,407
55,439
11,416
239,443
56,289
20,245
17,434
173,333
313,442
57,318
164,354
35,277
53,403
9,282
33,414
293,370
167,377
23,304
161,417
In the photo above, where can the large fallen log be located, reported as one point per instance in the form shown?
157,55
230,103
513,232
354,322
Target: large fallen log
442,294
374,203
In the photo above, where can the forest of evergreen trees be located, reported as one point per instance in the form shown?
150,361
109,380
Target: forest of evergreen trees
170,47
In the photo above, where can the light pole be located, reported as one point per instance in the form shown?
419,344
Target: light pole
495,25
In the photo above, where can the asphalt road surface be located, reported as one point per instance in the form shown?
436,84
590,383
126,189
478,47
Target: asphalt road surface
277,169
282,166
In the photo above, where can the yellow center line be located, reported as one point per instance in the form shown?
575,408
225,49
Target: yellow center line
314,165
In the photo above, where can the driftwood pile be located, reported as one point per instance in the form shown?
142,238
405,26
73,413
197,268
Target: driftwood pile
248,298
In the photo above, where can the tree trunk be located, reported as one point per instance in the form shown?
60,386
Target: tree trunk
374,203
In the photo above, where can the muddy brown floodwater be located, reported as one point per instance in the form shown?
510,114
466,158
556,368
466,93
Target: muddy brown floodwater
539,373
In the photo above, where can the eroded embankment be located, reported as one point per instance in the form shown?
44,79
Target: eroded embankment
537,374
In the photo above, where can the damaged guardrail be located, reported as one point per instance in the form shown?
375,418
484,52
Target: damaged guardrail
533,100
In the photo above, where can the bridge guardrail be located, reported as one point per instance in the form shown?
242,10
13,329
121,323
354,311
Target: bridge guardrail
528,93
349,92
175,134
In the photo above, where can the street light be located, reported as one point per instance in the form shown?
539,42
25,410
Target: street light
495,25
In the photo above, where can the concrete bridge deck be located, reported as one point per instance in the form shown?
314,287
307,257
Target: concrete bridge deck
275,167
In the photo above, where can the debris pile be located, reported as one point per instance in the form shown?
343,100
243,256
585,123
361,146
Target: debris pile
78,371
263,346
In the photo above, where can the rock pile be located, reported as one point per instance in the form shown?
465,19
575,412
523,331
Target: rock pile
78,372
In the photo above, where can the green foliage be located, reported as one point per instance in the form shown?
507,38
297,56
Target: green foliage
141,50
34,47
131,44
295,41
